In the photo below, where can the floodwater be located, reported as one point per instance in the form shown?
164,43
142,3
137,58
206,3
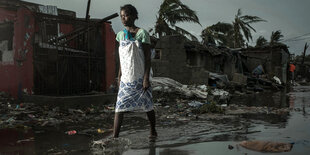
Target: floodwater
207,134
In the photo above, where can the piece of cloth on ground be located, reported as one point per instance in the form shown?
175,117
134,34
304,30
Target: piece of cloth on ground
267,146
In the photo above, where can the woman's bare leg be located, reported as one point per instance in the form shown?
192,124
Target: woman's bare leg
118,119
152,119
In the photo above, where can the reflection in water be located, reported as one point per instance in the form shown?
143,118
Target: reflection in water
17,141
169,151
152,149
291,101
279,119
270,99
304,113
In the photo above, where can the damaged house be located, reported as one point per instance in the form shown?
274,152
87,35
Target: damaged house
274,60
192,63
171,61
45,50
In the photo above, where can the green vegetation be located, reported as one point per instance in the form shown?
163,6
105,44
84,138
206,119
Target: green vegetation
231,35
236,34
170,13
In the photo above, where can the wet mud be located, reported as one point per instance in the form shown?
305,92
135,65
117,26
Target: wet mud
277,116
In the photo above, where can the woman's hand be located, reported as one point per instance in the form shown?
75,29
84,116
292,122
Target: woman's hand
146,83
147,65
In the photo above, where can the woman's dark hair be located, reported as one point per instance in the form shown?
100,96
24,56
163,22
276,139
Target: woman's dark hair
131,10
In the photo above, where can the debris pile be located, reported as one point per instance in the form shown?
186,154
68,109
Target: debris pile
167,85
32,115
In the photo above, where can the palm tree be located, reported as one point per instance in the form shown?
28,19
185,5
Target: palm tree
242,28
261,41
275,37
172,12
221,33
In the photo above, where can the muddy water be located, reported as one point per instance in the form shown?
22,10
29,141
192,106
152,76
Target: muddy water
213,136
205,134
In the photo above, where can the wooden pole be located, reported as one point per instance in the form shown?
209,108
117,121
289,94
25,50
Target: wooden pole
83,29
304,54
87,11
88,45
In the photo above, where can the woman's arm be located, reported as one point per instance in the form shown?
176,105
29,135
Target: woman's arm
119,62
119,75
147,65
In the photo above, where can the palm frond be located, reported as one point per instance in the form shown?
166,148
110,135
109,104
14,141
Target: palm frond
179,19
220,33
243,23
181,31
248,25
275,37
246,31
176,13
172,12
252,19
239,13
221,27
261,41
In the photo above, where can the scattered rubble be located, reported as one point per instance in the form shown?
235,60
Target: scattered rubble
168,85
32,115
110,146
175,101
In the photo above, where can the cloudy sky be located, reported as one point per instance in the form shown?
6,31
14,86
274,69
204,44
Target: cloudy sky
289,16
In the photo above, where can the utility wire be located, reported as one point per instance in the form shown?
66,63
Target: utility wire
297,39
293,38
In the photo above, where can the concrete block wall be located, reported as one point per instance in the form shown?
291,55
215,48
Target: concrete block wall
239,78
160,68
229,67
173,62
199,76
274,60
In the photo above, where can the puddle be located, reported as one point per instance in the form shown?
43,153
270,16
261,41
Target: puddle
280,117
17,141
110,146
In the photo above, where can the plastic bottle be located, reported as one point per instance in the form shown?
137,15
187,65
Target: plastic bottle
72,132
100,131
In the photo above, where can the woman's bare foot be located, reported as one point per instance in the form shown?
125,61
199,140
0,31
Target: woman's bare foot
153,134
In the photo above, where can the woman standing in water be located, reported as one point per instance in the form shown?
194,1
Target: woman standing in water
135,92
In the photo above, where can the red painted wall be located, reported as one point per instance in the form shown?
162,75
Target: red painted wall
109,43
17,76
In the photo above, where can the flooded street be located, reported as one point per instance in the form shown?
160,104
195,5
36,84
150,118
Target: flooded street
214,137
279,117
